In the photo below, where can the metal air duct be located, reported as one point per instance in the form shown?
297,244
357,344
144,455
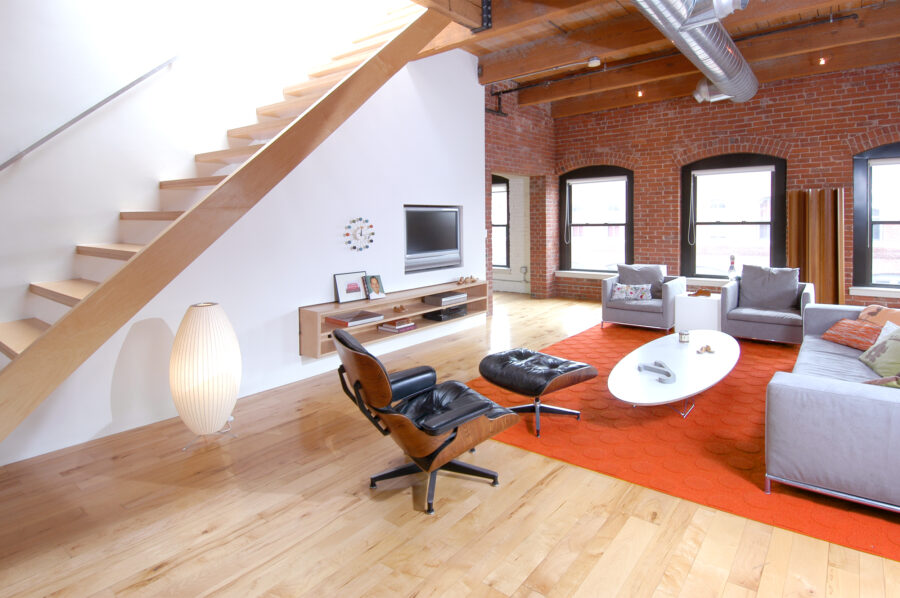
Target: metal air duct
695,29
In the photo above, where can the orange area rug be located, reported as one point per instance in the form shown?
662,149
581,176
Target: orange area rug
715,456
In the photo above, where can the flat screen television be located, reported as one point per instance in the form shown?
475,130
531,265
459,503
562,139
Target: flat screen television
432,237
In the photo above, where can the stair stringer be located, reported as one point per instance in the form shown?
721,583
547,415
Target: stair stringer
55,355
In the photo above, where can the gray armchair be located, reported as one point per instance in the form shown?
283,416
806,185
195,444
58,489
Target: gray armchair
766,309
657,312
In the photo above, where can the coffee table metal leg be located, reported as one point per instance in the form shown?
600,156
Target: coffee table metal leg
687,405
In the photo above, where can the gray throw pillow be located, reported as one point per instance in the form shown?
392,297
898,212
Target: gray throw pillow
769,288
651,274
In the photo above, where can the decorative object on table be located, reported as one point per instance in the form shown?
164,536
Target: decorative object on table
447,298
395,326
359,234
666,375
705,349
205,369
399,309
374,288
349,286
732,273
354,318
701,293
684,336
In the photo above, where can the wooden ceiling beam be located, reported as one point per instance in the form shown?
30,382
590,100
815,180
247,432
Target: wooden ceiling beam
508,16
840,58
464,12
610,39
872,25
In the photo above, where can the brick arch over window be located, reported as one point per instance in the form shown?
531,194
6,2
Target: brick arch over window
590,158
872,139
731,145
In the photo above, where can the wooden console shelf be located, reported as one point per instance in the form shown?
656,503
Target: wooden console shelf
315,332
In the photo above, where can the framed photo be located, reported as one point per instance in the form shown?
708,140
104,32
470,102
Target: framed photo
374,288
349,286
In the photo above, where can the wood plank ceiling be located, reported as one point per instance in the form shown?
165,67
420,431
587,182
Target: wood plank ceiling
542,47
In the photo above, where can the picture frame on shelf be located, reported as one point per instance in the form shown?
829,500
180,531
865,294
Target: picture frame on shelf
349,286
374,286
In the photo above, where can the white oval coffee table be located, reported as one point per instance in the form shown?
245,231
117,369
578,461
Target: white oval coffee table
672,371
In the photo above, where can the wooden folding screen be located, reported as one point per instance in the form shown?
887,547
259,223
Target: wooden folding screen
816,240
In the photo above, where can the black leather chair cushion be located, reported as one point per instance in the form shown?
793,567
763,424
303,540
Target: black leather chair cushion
445,406
527,372
406,383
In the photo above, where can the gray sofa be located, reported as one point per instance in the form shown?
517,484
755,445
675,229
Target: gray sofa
828,432
783,325
654,313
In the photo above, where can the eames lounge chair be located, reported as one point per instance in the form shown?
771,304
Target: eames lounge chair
433,423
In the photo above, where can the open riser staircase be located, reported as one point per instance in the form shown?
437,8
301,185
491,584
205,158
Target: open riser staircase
75,317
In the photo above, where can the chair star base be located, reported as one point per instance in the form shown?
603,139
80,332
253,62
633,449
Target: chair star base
455,466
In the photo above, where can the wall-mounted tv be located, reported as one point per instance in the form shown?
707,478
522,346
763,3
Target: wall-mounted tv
432,237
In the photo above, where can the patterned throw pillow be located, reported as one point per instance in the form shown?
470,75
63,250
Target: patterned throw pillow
884,356
853,333
879,314
892,381
632,292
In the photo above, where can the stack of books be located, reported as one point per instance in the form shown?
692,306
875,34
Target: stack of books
396,326
354,318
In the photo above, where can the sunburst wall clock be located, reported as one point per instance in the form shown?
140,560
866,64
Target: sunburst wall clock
359,234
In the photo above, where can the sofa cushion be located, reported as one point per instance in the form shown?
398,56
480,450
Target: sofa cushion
784,317
886,331
825,359
651,274
648,305
769,288
879,315
636,292
853,333
892,381
884,356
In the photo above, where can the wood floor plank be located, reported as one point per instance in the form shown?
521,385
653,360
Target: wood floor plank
285,509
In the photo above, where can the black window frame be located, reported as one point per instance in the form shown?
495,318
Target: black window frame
565,209
499,180
777,207
862,212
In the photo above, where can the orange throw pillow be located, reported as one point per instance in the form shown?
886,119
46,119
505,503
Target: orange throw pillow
879,314
853,333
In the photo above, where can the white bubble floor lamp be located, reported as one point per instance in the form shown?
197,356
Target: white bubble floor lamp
205,370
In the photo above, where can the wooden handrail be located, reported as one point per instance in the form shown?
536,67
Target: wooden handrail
30,378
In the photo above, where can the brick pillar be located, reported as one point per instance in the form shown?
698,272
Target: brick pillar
544,235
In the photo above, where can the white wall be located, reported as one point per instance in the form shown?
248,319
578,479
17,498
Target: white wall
419,140
512,279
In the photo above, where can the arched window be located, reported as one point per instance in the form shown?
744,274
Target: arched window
876,217
595,217
732,204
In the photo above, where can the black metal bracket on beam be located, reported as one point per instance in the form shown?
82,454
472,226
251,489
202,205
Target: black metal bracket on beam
499,110
487,17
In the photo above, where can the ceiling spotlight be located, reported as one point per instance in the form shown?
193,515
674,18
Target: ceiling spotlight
821,61
640,93
593,62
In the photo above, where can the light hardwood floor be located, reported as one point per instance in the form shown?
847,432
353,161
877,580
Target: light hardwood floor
285,510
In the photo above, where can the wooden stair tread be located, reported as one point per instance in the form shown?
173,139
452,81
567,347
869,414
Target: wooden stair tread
291,108
338,66
231,155
192,183
157,215
67,292
263,130
315,87
116,251
15,336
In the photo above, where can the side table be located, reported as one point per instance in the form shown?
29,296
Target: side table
698,313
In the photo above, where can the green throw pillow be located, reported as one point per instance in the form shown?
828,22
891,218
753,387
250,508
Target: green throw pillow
884,356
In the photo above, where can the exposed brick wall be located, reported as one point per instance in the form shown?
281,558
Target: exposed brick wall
816,123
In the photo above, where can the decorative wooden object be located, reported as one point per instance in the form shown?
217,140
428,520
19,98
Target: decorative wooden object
315,332
816,240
